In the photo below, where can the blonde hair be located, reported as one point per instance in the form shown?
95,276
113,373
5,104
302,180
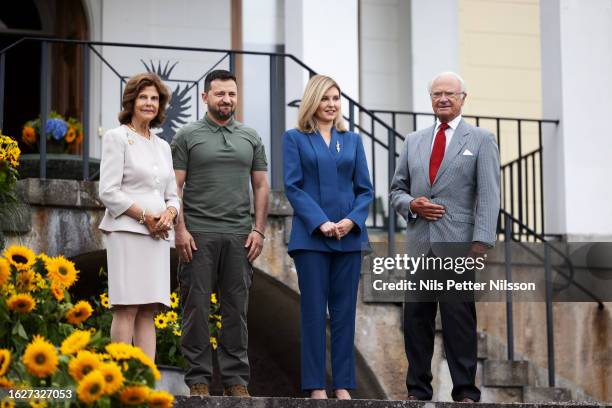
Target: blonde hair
316,88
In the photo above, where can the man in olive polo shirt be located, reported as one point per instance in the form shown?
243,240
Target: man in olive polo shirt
214,159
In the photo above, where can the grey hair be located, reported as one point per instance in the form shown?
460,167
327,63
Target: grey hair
453,74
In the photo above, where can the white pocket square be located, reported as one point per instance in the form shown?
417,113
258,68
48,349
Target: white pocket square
466,152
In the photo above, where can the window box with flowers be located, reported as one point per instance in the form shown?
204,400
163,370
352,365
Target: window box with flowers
63,135
64,144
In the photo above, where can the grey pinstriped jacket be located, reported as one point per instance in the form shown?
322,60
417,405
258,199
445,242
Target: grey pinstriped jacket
466,185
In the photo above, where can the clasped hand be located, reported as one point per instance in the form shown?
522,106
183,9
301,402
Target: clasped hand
159,225
426,209
337,229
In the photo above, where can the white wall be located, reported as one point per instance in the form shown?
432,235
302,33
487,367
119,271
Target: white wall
93,11
263,29
385,76
263,22
435,47
324,35
576,88
385,64
184,23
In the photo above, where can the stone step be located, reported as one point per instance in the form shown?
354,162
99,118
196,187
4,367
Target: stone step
538,395
505,395
504,373
483,346
255,402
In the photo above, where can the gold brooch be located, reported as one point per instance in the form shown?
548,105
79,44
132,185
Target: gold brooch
130,141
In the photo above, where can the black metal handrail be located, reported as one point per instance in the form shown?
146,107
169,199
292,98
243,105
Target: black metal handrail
507,228
518,170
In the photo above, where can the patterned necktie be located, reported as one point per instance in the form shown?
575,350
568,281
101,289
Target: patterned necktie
437,153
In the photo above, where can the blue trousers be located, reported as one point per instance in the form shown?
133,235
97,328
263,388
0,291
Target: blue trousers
328,280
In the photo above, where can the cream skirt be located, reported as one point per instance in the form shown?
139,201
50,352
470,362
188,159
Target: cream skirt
138,269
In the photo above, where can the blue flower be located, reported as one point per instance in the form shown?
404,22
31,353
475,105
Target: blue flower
57,127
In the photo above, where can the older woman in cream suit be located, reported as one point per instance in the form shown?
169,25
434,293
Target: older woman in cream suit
138,188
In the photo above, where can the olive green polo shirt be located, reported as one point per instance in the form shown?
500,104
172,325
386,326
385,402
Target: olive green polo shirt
219,161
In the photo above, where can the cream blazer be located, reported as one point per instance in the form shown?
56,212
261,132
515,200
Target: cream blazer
135,170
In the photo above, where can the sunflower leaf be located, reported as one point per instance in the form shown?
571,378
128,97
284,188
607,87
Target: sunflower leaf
19,330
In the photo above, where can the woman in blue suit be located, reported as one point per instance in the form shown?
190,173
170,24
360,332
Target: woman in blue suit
328,185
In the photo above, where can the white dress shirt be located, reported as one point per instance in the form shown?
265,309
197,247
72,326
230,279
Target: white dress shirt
449,132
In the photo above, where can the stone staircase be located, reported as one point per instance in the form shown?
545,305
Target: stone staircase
500,380
504,381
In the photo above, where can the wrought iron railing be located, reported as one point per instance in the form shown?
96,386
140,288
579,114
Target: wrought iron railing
509,225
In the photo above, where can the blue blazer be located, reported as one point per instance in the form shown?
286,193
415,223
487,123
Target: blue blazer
322,185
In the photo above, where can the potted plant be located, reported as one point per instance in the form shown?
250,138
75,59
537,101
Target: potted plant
62,135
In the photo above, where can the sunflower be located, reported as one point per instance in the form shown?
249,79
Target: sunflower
174,300
5,361
7,403
20,257
21,303
91,387
79,313
104,300
71,134
28,135
171,316
177,332
113,378
134,395
40,357
61,271
6,383
160,321
213,298
146,360
26,280
219,325
7,290
75,342
213,342
44,258
120,351
160,399
57,291
84,363
5,271
38,403
40,281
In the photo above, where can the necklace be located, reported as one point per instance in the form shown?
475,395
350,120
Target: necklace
133,129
